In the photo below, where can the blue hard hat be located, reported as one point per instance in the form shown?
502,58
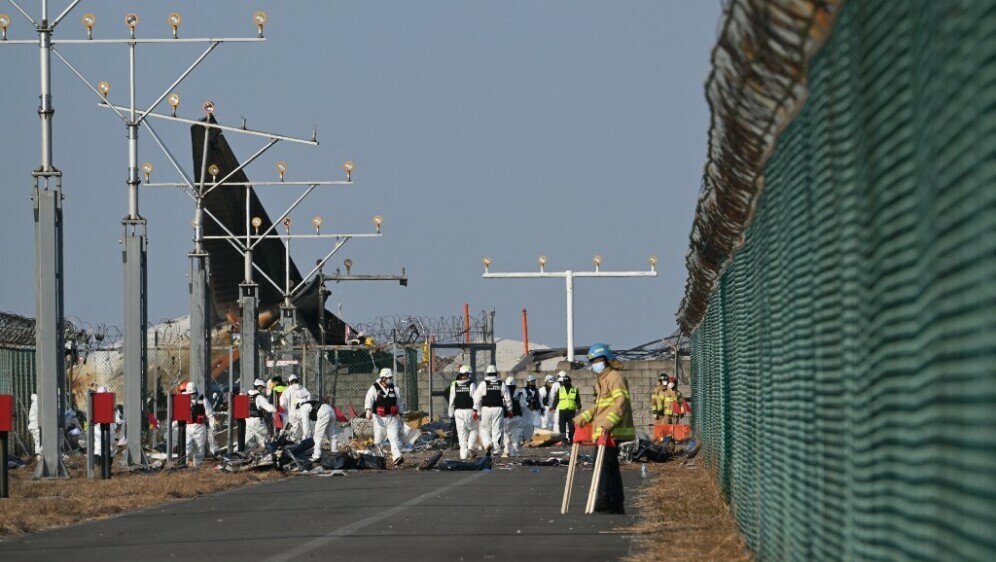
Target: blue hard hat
601,350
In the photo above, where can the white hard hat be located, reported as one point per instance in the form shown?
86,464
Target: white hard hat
464,369
253,392
491,370
191,388
386,373
258,382
548,378
101,389
530,378
510,381
293,378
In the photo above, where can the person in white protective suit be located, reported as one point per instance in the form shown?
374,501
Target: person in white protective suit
515,420
200,414
255,425
546,394
491,401
554,393
383,406
533,414
295,401
33,426
325,428
462,410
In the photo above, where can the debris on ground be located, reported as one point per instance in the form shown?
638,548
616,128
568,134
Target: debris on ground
545,438
644,450
430,462
552,461
480,463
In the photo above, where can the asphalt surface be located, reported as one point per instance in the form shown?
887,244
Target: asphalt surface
365,516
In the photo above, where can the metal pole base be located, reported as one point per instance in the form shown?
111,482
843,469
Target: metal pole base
4,483
105,451
181,445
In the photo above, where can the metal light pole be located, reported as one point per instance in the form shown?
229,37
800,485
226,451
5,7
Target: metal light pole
135,227
48,212
247,243
200,306
568,277
49,273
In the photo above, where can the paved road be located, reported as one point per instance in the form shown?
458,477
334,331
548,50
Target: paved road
372,516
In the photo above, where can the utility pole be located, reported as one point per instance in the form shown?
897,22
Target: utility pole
46,198
246,244
135,227
568,277
200,306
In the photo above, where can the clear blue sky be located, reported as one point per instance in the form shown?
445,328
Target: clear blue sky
508,129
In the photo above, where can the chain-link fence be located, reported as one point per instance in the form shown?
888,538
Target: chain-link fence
843,371
340,374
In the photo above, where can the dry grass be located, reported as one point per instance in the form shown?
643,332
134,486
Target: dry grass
41,504
683,517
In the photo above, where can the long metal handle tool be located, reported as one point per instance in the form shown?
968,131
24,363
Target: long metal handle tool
599,460
575,448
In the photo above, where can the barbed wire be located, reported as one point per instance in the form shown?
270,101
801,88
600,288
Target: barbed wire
16,330
768,43
19,331
408,330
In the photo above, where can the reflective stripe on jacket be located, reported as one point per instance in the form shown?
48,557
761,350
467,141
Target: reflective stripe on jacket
567,399
612,409
657,400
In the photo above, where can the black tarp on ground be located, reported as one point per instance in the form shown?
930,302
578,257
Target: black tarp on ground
482,463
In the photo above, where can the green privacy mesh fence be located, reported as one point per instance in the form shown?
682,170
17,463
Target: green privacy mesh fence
845,371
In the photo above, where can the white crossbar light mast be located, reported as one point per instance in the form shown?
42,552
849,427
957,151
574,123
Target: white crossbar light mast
568,277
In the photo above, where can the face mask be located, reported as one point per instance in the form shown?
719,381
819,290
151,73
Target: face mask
670,385
598,368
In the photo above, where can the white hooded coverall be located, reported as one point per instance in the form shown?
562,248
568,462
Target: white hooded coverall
534,418
33,426
548,415
386,423
462,410
491,400
298,413
255,427
325,428
554,413
515,426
